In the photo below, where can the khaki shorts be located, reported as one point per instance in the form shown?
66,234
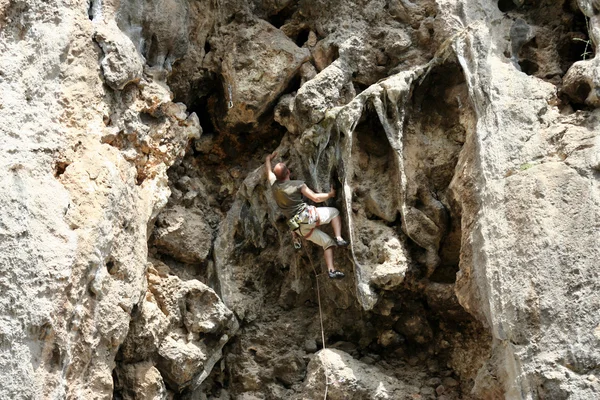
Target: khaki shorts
326,214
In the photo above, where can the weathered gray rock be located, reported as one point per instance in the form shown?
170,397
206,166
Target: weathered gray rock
289,369
321,93
520,33
582,82
179,361
381,254
415,326
141,381
184,235
513,245
284,113
183,325
150,130
347,378
259,62
71,311
159,29
121,64
147,330
445,156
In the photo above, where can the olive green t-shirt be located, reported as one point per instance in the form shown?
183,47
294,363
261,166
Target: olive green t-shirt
288,196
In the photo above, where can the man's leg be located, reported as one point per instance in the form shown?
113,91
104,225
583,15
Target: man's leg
322,239
336,224
332,215
329,259
331,271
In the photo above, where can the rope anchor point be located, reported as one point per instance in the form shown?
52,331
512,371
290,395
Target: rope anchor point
230,104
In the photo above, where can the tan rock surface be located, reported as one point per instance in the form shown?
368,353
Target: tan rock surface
350,379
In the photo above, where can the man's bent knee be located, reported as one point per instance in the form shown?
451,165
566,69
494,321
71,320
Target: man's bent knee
322,239
327,214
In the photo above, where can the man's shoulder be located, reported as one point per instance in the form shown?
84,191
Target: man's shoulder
290,183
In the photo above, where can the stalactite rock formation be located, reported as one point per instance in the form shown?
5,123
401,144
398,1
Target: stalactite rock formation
142,255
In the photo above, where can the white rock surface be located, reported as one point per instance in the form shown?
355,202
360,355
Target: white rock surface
74,247
259,61
121,63
528,241
184,235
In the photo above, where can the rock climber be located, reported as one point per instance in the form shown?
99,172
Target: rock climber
303,218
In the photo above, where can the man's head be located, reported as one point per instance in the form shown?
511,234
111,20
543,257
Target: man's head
281,172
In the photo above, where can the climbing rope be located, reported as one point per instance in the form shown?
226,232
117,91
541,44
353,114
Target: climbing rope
320,316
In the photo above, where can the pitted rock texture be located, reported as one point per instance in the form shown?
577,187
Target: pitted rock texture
257,62
183,235
183,325
347,378
142,254
73,266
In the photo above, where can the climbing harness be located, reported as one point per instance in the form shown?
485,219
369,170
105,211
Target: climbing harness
308,216
230,104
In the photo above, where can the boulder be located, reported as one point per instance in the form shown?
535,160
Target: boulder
121,64
259,62
183,234
159,29
582,82
182,324
147,330
350,379
141,381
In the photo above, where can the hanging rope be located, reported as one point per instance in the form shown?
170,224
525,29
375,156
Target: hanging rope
320,316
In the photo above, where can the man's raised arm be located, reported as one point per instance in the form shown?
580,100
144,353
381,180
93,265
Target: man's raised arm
271,178
317,197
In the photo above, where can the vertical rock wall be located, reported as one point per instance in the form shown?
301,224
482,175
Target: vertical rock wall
529,233
142,255
87,140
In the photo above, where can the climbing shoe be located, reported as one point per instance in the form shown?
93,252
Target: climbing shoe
341,243
336,274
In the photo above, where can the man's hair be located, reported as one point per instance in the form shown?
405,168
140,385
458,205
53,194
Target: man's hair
281,171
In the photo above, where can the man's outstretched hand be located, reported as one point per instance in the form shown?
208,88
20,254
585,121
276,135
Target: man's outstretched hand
331,193
271,156
268,169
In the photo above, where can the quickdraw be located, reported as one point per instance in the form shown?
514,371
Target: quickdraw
230,104
310,215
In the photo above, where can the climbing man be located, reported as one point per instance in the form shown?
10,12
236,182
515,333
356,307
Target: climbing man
305,219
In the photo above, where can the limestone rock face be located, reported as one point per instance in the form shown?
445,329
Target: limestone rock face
158,29
183,235
84,258
121,63
450,139
142,381
258,63
582,82
183,325
142,254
